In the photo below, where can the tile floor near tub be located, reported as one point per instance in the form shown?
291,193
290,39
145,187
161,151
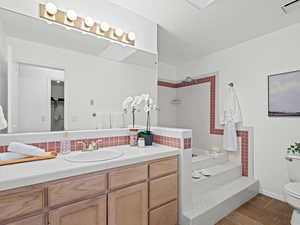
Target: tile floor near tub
261,210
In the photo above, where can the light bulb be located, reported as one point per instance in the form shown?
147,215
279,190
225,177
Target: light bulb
51,9
131,36
119,32
104,27
71,15
89,21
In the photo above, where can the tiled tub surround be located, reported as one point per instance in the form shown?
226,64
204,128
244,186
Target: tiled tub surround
243,134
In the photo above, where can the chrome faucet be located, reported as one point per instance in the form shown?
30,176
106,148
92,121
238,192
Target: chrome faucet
94,145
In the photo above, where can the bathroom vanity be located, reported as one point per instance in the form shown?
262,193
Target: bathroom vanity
141,193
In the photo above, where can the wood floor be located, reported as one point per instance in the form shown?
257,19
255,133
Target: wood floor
261,210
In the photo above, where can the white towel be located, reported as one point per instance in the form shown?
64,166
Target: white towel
25,149
3,122
231,116
8,156
117,120
103,120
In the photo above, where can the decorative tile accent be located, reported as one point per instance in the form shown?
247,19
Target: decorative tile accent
168,141
3,149
213,129
75,146
167,84
187,143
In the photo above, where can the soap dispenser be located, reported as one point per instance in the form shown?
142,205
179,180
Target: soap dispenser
65,144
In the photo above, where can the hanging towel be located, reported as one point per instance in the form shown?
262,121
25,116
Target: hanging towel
9,156
3,122
25,149
103,120
230,117
117,120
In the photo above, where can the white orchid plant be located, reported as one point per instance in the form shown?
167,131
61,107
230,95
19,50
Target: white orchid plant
131,104
148,108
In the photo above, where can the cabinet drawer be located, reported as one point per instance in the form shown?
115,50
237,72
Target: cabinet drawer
21,203
89,212
76,188
127,176
163,190
36,220
165,215
163,167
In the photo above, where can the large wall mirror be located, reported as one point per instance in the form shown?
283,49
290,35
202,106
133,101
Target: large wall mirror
55,79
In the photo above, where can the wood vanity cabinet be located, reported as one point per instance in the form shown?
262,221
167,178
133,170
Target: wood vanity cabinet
88,212
21,202
35,220
128,206
141,194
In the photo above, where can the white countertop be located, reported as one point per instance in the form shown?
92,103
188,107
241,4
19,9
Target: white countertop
24,174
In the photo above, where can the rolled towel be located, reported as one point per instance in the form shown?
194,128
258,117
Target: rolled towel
9,156
3,122
25,149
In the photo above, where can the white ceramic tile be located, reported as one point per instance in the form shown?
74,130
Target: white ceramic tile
216,204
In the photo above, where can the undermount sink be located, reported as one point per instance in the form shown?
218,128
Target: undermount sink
94,156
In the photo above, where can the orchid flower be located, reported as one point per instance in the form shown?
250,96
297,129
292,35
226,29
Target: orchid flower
131,104
126,102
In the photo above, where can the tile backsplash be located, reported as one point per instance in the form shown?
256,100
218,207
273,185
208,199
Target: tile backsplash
110,137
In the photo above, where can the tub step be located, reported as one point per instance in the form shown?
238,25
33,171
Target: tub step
214,205
219,175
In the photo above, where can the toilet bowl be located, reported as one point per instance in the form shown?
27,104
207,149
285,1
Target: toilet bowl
292,189
292,193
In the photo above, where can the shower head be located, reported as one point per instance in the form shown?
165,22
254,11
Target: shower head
188,80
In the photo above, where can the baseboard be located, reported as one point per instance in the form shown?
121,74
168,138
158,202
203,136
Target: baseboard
272,195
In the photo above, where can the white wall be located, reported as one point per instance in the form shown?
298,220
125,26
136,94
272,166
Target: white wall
248,66
3,70
32,89
89,78
167,111
167,72
100,10
194,113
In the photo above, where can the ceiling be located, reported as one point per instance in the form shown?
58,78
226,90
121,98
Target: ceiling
186,33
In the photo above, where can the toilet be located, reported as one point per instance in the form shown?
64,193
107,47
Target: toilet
292,189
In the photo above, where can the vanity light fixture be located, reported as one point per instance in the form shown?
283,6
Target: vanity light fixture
86,25
71,15
51,9
131,36
89,21
104,27
119,32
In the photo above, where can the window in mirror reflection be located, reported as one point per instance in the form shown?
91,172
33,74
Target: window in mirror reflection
37,102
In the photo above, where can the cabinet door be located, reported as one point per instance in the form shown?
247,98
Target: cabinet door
129,206
88,212
36,220
165,215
